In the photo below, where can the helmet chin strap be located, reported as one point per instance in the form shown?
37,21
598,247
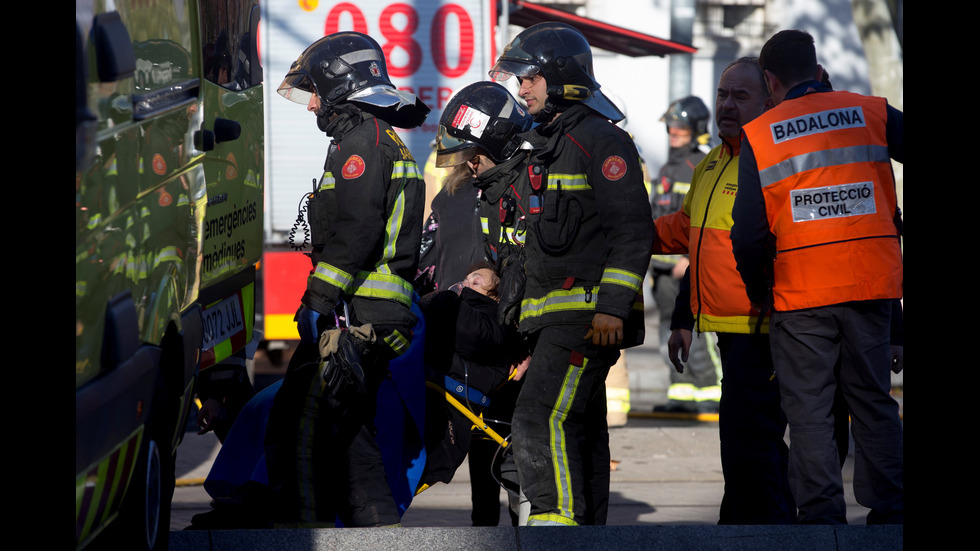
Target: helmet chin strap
546,113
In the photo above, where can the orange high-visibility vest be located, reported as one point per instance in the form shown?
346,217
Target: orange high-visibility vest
830,199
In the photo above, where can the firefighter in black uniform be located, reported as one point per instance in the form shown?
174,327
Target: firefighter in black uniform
365,218
697,389
479,135
588,247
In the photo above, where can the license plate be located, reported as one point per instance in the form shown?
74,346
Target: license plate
223,320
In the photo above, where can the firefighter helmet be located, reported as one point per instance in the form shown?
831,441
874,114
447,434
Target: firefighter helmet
689,112
350,67
562,55
482,116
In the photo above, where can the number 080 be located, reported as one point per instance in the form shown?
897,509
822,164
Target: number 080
402,38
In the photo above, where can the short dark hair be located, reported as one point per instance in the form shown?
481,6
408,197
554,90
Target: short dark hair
753,62
791,56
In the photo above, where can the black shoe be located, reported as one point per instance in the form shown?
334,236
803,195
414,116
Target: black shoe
709,406
676,406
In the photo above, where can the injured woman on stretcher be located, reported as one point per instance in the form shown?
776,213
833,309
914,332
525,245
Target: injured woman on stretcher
458,347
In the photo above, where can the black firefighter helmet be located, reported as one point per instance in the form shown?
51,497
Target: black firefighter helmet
562,55
350,67
482,115
689,112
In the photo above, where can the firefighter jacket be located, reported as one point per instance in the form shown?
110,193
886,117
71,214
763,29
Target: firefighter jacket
366,221
702,229
504,192
671,188
822,163
589,225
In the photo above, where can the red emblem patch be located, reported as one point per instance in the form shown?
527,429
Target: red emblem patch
159,165
165,199
353,168
614,168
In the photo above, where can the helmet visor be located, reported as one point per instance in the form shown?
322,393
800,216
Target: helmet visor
452,151
506,68
297,86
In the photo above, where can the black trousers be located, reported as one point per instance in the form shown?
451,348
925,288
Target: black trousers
561,440
751,426
324,463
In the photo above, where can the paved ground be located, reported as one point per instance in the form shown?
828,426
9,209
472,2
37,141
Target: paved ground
669,471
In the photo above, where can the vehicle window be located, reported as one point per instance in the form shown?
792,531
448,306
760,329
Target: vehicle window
230,43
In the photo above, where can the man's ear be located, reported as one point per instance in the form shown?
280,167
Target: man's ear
771,80
820,72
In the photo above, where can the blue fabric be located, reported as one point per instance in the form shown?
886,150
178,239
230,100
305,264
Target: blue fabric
400,422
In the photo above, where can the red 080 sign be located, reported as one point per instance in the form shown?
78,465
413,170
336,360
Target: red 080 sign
403,38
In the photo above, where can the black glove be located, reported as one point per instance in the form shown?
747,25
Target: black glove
511,289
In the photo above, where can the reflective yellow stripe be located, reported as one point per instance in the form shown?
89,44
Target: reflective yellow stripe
406,169
556,429
397,342
549,519
383,286
514,237
568,182
332,275
616,276
559,301
618,399
327,181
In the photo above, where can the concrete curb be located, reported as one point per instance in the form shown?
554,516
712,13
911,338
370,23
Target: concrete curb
584,538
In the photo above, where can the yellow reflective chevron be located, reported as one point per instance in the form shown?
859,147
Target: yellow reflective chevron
327,181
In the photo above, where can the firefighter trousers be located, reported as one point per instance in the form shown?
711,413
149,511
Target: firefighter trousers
323,461
561,440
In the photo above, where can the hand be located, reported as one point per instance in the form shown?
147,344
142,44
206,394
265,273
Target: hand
210,412
898,358
306,319
520,368
677,272
605,330
680,339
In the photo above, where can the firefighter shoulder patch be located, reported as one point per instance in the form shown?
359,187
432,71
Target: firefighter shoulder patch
614,168
353,167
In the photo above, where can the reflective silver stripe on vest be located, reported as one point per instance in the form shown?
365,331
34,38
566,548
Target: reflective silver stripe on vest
821,159
333,276
616,276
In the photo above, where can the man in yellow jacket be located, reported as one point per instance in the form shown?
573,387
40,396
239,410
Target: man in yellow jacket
751,423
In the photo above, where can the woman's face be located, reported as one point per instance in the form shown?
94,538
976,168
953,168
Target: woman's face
482,281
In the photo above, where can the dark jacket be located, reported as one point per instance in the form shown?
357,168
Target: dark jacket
588,245
366,222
